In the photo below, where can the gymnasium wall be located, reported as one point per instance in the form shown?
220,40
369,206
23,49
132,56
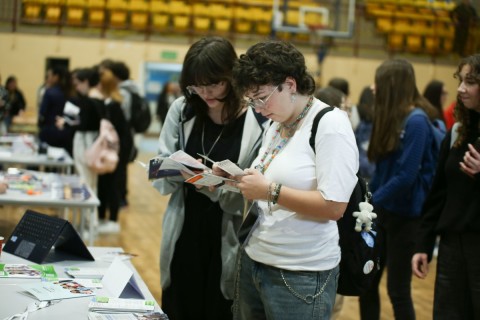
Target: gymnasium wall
24,55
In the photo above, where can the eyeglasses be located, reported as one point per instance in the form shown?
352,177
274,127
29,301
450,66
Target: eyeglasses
206,88
260,103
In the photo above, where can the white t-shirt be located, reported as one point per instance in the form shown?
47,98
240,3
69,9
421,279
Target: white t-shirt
288,240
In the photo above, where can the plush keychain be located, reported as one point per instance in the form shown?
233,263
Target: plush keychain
364,216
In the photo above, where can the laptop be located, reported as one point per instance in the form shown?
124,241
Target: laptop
42,238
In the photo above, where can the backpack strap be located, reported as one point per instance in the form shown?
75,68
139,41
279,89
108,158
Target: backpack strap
316,120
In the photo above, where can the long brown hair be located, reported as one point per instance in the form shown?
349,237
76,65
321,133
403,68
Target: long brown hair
462,114
395,94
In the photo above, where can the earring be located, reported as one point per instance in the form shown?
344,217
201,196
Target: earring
293,97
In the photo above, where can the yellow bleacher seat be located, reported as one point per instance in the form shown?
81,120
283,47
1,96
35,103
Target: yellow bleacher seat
117,12
201,23
160,17
222,25
180,13
384,25
75,12
96,12
432,44
160,21
138,10
32,10
395,41
414,43
243,19
53,11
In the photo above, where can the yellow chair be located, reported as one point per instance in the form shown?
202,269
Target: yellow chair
31,10
395,42
117,13
53,11
96,13
242,16
180,13
160,15
221,16
432,44
138,14
75,12
414,43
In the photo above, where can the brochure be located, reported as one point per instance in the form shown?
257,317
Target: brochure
61,289
200,174
113,305
127,316
32,271
85,272
160,167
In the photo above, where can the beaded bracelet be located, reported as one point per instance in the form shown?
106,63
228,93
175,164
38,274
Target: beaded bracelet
276,193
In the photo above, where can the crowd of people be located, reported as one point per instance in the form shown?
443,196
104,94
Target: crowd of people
257,111
287,267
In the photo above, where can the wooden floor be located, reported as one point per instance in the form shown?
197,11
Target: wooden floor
141,224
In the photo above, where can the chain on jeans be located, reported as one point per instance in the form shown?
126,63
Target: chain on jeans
308,298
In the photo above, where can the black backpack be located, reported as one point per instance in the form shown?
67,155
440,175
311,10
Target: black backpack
140,113
360,261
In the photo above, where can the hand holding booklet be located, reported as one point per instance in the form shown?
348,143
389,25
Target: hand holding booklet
201,175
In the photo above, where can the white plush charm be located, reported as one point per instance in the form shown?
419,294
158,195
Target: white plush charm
364,216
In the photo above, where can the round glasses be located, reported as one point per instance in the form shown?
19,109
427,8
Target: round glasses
260,103
206,88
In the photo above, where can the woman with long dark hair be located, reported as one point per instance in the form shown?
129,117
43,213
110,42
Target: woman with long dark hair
199,243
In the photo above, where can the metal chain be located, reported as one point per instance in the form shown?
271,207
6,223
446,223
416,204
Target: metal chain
308,298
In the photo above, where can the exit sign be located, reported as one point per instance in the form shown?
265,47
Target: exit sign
168,55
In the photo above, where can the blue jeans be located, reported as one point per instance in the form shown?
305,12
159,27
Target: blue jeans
266,292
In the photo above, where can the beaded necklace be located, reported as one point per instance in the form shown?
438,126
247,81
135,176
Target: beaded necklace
278,143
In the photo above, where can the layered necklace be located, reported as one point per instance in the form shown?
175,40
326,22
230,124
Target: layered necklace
278,142
213,145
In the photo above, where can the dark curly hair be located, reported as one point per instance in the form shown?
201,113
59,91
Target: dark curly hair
271,62
209,61
462,114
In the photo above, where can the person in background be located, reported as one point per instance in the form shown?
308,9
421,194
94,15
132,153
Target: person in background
401,146
109,188
364,131
288,268
199,243
3,103
464,16
452,208
15,103
436,94
169,93
126,87
59,89
342,85
84,80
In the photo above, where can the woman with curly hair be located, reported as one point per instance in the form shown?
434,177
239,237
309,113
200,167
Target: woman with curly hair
288,268
453,206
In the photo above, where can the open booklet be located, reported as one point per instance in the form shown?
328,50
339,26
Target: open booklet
62,289
31,271
201,175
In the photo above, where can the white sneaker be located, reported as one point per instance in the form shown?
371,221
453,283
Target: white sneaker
109,227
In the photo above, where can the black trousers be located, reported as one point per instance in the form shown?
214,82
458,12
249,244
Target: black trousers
457,285
396,235
109,193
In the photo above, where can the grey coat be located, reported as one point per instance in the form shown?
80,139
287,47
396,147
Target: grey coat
174,136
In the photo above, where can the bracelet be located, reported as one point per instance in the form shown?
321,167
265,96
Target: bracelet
276,193
269,196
